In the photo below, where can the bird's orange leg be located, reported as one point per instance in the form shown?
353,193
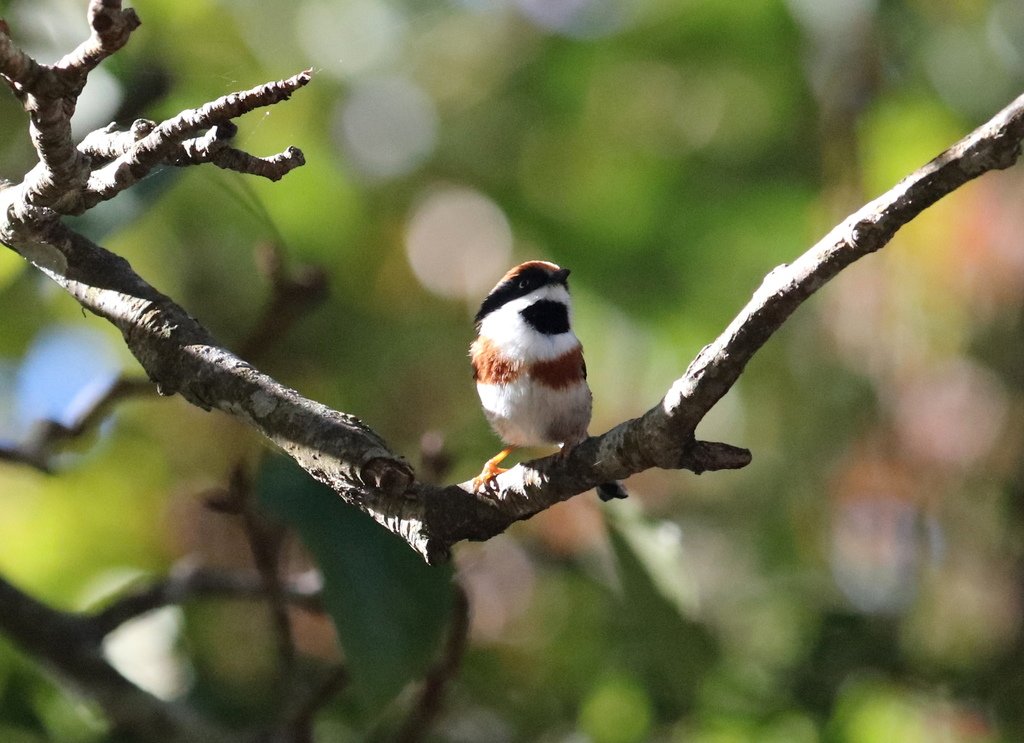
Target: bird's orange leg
491,469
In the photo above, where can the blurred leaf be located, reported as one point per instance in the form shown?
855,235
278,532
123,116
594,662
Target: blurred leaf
658,549
618,711
390,609
671,651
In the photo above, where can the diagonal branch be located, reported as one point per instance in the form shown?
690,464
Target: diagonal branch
344,453
37,451
664,435
181,356
164,143
65,644
111,26
293,293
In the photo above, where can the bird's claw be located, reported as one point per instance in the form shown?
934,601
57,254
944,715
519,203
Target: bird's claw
485,480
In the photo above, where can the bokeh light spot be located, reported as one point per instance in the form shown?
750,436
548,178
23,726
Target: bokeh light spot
454,237
351,38
65,369
576,18
388,126
146,651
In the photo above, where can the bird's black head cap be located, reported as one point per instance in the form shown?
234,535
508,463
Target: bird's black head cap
520,281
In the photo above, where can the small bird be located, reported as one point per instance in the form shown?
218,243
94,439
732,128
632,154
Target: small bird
529,368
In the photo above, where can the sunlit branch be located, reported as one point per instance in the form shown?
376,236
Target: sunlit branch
173,142
664,435
111,27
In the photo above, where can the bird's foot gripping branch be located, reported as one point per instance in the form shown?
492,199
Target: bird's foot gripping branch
337,449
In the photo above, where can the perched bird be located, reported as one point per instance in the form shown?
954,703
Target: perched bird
529,368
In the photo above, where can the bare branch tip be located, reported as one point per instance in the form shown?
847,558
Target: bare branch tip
704,456
111,23
294,153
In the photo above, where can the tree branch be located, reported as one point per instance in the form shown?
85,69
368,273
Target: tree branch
171,142
428,703
664,435
66,645
187,581
341,451
47,435
111,26
292,293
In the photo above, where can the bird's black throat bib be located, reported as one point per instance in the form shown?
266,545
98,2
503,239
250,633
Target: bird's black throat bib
547,316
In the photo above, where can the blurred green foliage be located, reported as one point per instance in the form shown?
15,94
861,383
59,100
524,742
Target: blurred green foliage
388,606
861,581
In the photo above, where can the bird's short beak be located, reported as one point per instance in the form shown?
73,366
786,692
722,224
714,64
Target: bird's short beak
561,275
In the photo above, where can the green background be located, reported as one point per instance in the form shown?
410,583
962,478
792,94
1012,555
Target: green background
860,581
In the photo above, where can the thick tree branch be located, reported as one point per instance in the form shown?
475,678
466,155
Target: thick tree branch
66,645
70,645
181,356
342,452
292,293
664,435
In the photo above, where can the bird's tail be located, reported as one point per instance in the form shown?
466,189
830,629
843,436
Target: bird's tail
611,490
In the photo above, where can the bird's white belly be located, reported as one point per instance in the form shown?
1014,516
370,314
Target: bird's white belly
524,413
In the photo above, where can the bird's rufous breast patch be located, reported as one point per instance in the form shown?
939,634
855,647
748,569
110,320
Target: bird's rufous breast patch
561,371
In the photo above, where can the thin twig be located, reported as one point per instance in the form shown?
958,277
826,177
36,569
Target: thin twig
111,27
265,539
299,727
429,701
188,582
164,143
293,293
48,435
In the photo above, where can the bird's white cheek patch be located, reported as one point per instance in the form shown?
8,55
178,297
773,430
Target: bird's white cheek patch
514,338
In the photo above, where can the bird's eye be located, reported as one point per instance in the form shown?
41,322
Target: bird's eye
524,283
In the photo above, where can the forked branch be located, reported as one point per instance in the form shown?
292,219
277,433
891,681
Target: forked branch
335,448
